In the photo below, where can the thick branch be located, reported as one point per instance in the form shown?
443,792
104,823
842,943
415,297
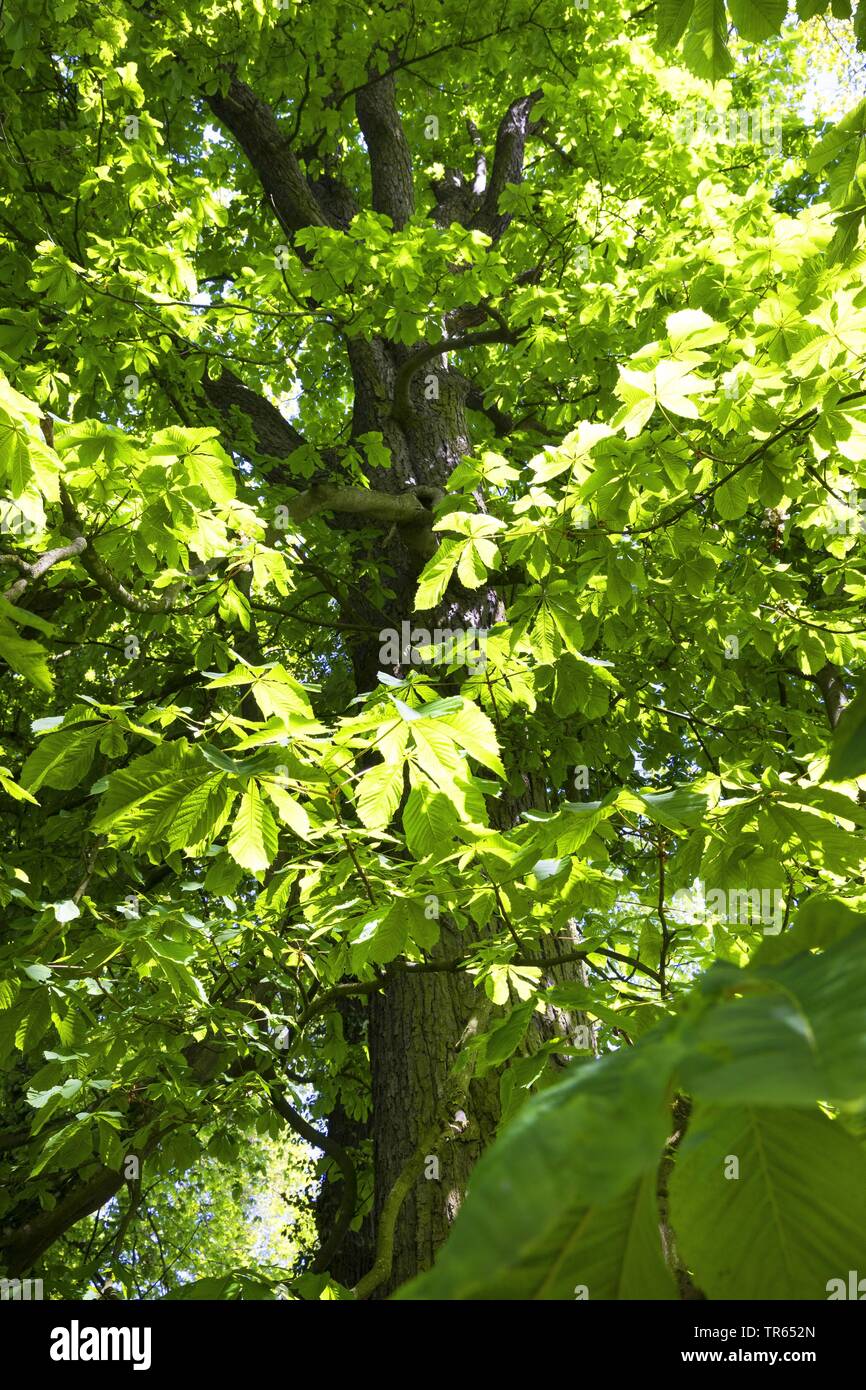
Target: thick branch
254,126
570,958
829,681
400,508
507,164
479,183
101,574
274,435
402,407
503,423
24,1247
388,150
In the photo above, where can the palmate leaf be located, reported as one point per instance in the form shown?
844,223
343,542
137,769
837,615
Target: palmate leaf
565,1197
683,808
281,695
142,800
436,575
202,813
556,1203
225,1288
705,51
474,732
278,695
793,1217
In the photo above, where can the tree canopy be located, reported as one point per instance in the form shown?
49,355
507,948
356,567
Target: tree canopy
432,574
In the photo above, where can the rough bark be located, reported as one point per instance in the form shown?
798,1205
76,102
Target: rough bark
390,156
415,1028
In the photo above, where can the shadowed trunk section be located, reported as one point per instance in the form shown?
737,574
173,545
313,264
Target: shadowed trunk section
415,1030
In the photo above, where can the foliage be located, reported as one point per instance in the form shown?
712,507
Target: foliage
217,223
172,1236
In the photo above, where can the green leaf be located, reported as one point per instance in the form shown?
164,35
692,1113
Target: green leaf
378,793
183,983
705,50
428,820
143,799
12,788
732,498
290,810
254,838
792,1220
436,574
383,936
672,17
693,328
757,20
60,760
497,1045
279,694
475,732
683,808
202,814
223,875
27,658
24,618
797,1034
476,558
821,921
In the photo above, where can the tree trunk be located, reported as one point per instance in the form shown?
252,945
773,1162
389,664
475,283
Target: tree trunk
415,1027
416,1023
